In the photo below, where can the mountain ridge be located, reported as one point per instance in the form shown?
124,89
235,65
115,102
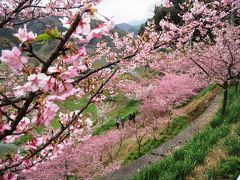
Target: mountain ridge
128,28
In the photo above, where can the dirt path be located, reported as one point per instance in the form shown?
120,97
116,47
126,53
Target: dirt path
176,142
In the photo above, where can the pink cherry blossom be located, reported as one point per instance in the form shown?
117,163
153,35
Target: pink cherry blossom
69,73
10,176
37,81
187,17
65,21
226,2
21,90
167,4
23,35
89,122
76,59
84,26
14,59
3,127
102,29
49,112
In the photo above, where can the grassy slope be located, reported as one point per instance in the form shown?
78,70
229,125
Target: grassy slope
169,132
223,162
129,151
123,108
182,162
177,124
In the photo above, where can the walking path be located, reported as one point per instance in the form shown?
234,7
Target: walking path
175,143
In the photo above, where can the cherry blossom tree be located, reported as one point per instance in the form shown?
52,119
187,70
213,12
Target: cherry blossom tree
162,94
221,64
207,38
33,99
13,12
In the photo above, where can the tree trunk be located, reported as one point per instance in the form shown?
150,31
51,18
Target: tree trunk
225,96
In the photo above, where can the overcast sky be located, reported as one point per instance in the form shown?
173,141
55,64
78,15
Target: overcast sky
127,10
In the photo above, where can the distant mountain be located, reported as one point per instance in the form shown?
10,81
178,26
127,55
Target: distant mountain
136,22
128,28
8,40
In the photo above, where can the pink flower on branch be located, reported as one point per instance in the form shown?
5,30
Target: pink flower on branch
47,114
102,29
65,21
23,35
14,59
37,81
226,2
167,4
83,27
3,127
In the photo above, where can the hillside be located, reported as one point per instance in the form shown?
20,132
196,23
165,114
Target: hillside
129,28
136,22
7,40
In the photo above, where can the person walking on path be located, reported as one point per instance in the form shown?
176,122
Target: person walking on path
118,121
133,118
130,118
122,122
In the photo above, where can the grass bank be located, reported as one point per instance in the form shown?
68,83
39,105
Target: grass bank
123,107
193,109
181,163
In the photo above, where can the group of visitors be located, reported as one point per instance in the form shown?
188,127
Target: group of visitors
120,121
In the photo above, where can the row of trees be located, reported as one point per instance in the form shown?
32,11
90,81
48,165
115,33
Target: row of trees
35,92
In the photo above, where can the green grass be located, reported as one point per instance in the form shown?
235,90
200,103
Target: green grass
143,72
205,91
238,131
232,145
23,139
72,105
227,169
169,132
123,108
146,72
181,162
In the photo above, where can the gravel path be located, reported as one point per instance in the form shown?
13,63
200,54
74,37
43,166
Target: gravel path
176,142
